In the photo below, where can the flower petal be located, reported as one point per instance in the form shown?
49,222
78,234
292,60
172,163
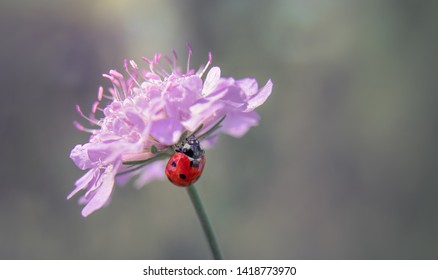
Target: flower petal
80,157
167,131
238,123
212,80
135,120
260,97
234,98
100,152
102,192
248,85
83,182
209,142
151,172
204,113
181,93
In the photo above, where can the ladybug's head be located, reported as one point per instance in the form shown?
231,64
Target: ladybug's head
192,140
191,148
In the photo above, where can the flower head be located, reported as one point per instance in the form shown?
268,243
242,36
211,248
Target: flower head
149,110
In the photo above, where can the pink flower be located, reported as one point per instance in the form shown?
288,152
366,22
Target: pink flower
151,109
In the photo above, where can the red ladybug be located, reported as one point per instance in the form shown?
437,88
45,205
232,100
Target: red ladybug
185,167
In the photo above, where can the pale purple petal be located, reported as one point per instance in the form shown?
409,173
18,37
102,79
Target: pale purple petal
110,152
234,98
135,120
225,82
209,142
181,93
151,172
105,137
167,131
249,86
212,80
260,97
238,123
205,114
83,182
123,179
79,155
193,84
99,152
102,192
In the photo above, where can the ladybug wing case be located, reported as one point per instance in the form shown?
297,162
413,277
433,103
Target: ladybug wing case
184,171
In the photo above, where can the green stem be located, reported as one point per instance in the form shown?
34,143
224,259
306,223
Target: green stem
205,223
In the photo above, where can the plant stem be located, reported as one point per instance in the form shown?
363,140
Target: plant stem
205,223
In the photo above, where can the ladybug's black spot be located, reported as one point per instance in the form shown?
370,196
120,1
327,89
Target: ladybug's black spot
173,163
182,176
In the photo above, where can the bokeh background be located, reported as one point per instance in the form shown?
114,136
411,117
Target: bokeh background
342,166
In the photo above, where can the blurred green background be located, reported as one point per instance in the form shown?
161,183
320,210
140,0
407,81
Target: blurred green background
343,164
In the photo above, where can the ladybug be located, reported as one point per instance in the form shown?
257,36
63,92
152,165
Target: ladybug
185,166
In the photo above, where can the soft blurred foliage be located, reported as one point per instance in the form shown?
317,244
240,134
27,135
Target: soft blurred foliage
342,165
